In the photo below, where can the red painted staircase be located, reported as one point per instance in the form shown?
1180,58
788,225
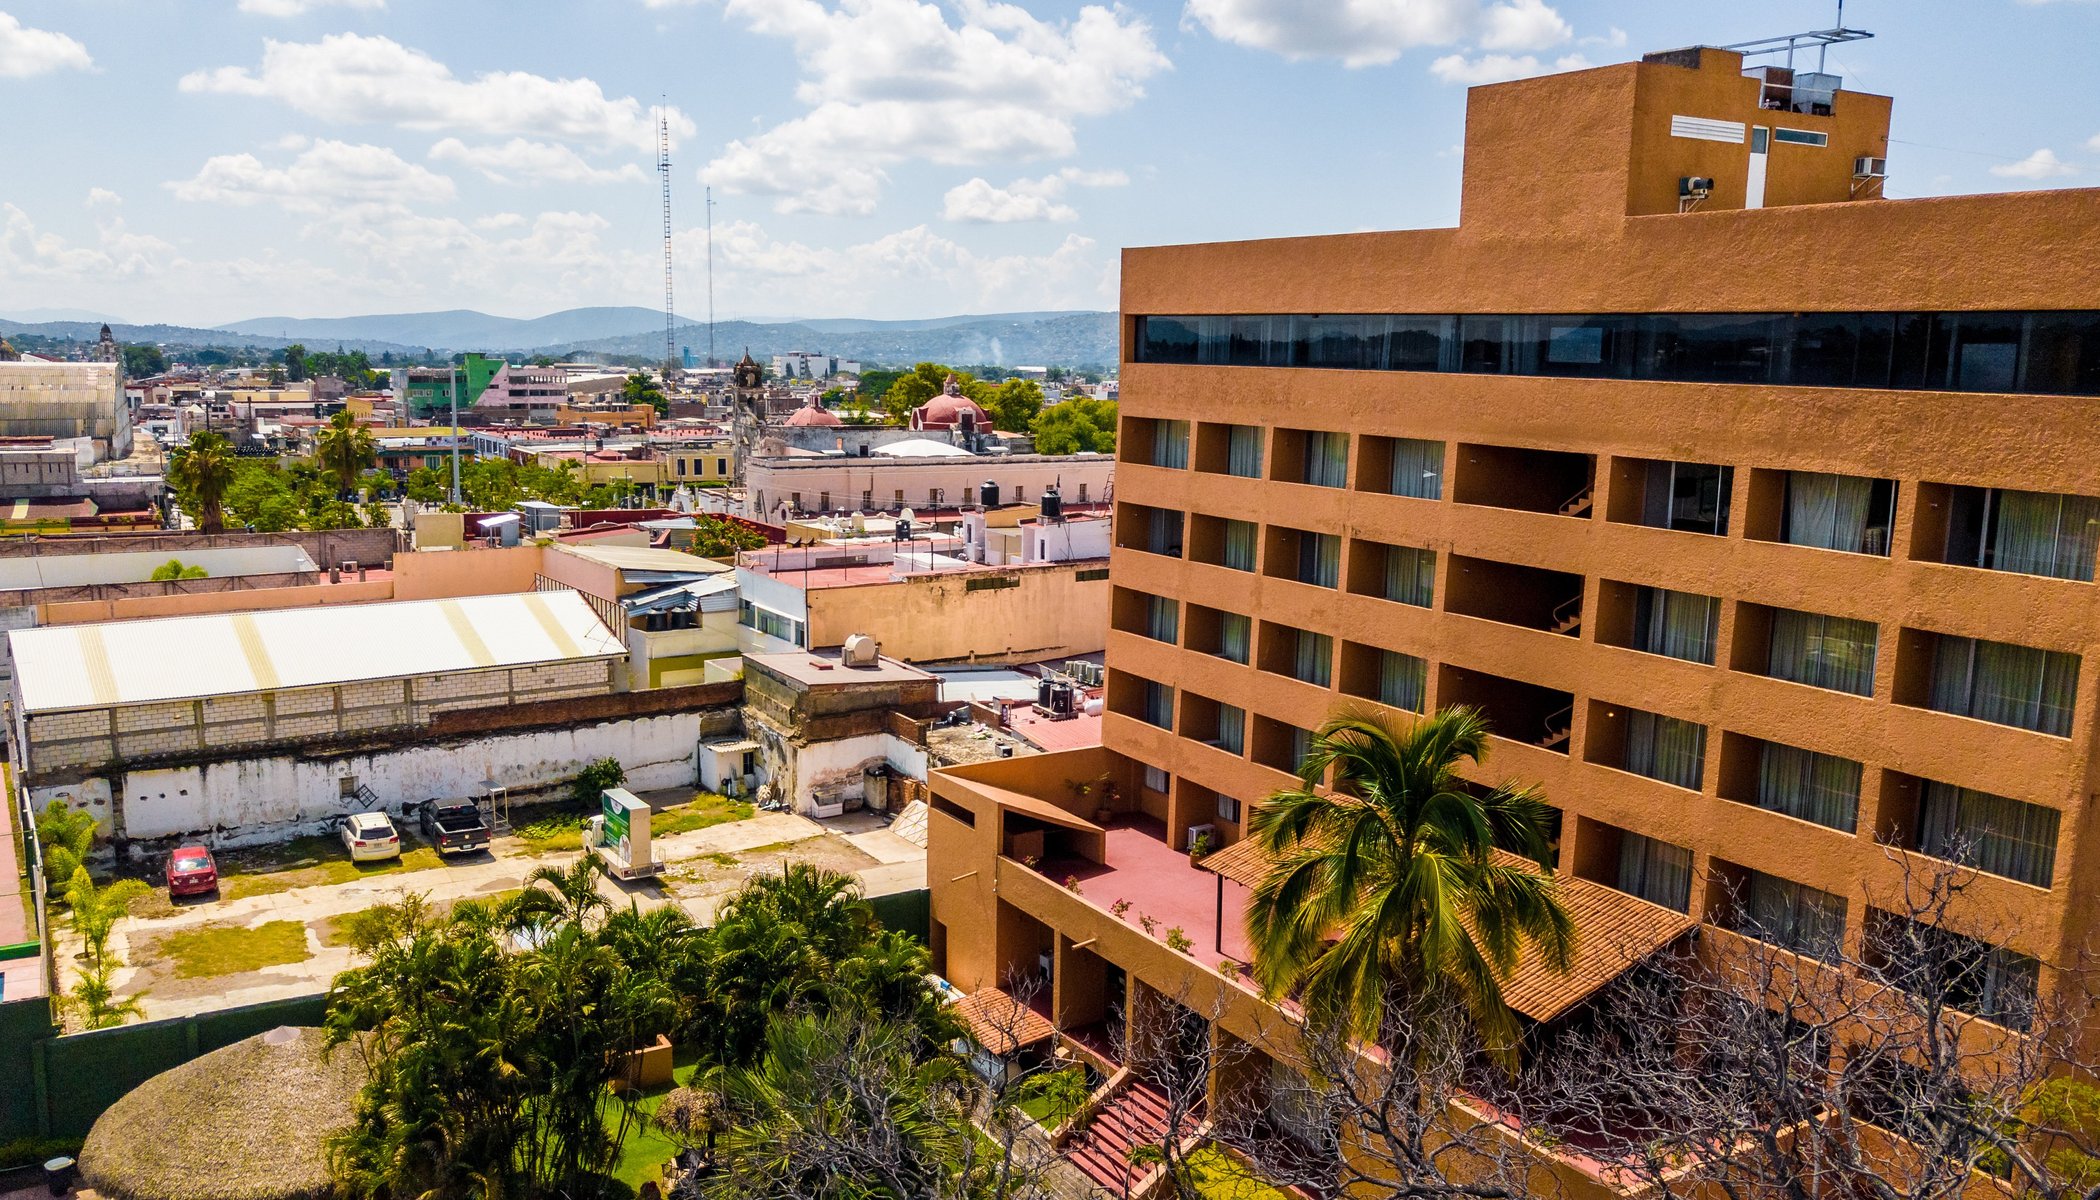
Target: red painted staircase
1136,1116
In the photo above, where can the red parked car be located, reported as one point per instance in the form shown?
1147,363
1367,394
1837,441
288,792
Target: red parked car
191,872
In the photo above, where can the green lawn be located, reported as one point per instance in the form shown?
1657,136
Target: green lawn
645,1152
215,950
1216,1175
556,831
1045,1111
564,830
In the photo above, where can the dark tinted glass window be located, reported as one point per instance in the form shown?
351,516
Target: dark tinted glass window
1826,349
1592,346
1247,343
1915,361
1410,343
2063,353
1167,339
1984,349
1484,344
1708,348
1328,342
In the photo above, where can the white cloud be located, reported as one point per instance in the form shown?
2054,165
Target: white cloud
25,52
1363,33
893,81
519,161
2093,142
351,78
1500,68
2042,164
977,201
327,175
97,197
295,8
754,269
32,256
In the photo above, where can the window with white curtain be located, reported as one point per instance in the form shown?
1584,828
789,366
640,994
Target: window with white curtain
1162,619
2031,533
1418,469
2004,684
1300,748
1656,871
1158,706
1691,497
1170,444
1792,915
1312,657
1243,451
1410,575
1228,808
1320,559
1163,531
1676,624
1838,512
1822,788
1327,459
1966,973
1232,729
1235,636
1990,833
1241,540
1403,680
1665,748
1823,651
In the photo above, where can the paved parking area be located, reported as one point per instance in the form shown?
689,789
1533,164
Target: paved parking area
705,867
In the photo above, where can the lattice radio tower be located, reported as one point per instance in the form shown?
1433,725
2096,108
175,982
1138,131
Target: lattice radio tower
663,171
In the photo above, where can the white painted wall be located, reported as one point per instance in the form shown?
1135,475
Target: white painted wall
249,801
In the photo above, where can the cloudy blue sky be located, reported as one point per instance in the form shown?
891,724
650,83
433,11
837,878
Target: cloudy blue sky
202,161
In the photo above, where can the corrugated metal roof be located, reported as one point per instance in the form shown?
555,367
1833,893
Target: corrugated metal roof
183,658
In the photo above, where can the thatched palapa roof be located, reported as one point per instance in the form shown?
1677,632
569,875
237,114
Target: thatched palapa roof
248,1121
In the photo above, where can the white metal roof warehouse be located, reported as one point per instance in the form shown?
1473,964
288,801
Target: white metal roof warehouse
220,654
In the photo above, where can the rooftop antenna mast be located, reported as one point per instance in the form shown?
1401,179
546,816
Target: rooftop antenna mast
663,169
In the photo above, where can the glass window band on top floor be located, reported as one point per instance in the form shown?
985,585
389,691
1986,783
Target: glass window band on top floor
2053,353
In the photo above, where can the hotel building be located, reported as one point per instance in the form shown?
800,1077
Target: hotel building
1755,510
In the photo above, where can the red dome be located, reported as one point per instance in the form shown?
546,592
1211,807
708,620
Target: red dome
946,412
810,414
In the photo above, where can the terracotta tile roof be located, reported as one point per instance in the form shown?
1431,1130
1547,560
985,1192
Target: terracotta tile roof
1000,1023
1613,931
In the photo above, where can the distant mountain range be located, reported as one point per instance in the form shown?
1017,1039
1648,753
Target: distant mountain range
1061,338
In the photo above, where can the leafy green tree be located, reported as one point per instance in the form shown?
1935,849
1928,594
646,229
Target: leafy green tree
1014,404
588,789
429,485
876,381
640,389
719,537
294,359
200,474
1075,426
344,449
1385,893
143,359
914,388
175,569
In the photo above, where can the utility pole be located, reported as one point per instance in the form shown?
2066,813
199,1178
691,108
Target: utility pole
454,374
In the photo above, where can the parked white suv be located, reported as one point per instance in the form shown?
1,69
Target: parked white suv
369,836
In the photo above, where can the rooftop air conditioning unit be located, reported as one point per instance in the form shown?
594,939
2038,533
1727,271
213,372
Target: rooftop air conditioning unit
1869,167
1202,831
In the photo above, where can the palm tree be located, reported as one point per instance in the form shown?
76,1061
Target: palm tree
345,449
201,472
1385,892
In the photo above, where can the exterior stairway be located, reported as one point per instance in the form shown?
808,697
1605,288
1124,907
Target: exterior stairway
1578,505
1137,1116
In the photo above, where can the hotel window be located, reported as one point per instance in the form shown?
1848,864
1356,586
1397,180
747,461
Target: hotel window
1966,973
1838,512
1158,705
1243,452
1241,540
1791,915
1418,469
1162,619
1689,497
1232,729
1235,637
1823,651
1156,779
1170,444
1665,748
1326,459
721,466
1312,657
1676,624
933,497
2030,533
1656,871
681,468
1990,833
2004,684
1822,788
1410,575
1403,680
1020,493
900,497
1228,808
1300,749
1320,559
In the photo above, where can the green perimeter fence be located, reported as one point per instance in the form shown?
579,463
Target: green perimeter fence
53,1086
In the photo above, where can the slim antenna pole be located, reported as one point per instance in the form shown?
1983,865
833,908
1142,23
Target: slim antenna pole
710,192
663,169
